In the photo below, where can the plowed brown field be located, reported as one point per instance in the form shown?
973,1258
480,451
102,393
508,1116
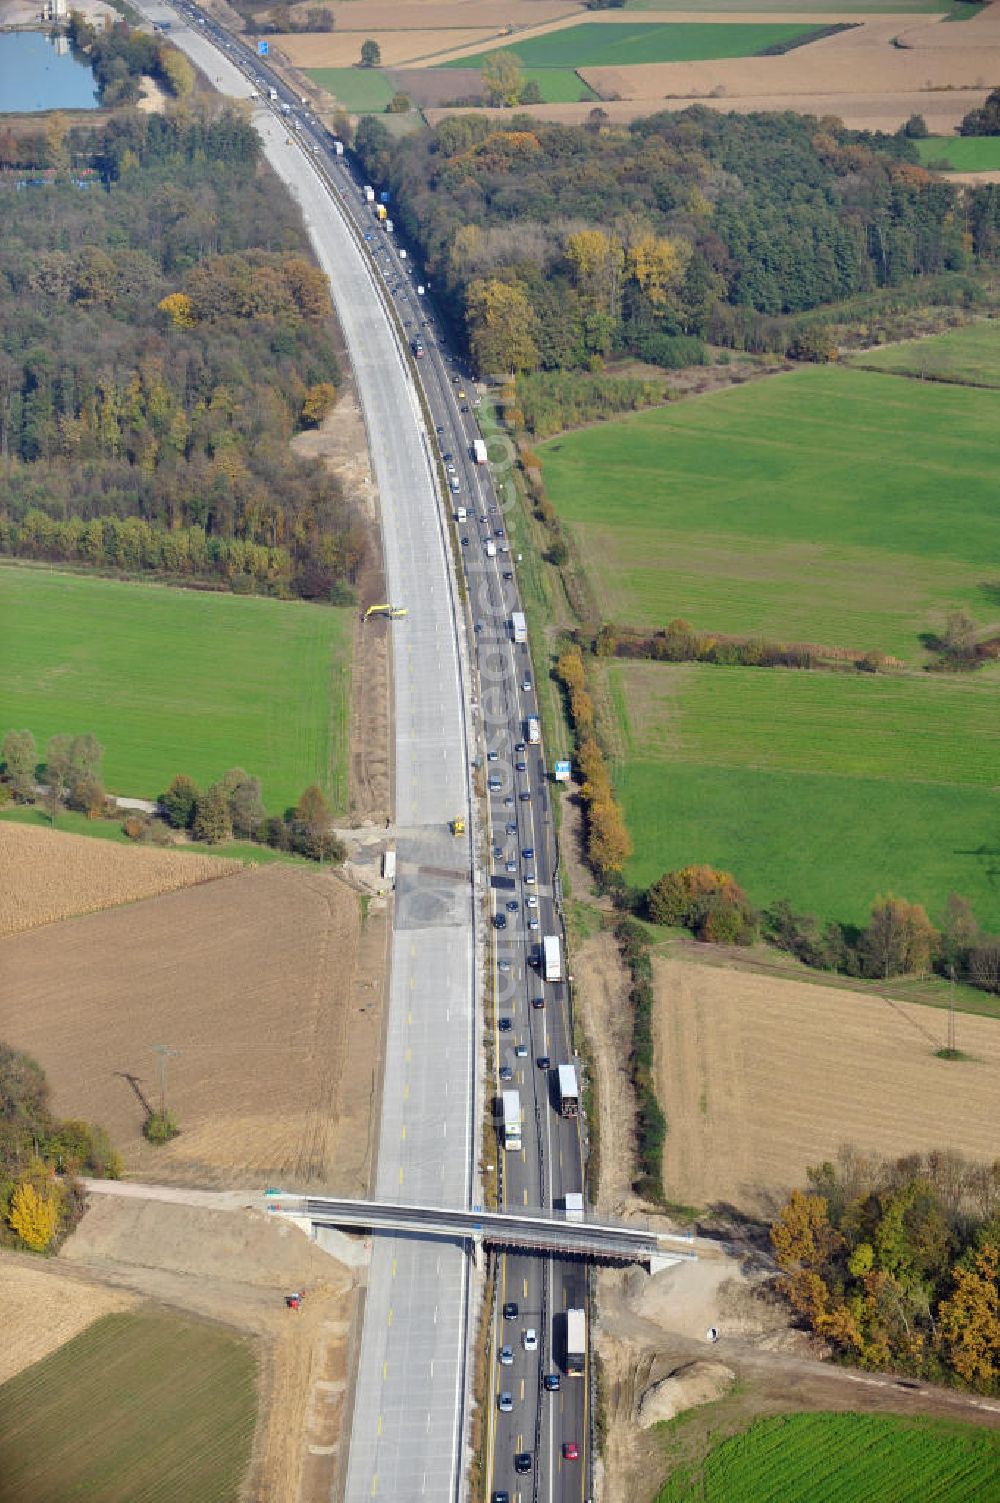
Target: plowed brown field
760,1078
254,982
49,875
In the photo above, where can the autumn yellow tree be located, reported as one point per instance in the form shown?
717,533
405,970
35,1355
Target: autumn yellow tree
179,309
177,71
318,401
804,1244
969,1320
598,260
501,327
657,264
34,1214
503,78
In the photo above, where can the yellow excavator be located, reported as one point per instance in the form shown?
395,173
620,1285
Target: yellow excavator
394,612
457,825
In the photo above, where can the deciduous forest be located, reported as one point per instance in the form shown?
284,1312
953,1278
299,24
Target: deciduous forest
559,245
163,334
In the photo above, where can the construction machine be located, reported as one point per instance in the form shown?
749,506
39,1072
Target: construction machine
394,612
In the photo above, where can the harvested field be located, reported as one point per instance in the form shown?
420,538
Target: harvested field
438,15
342,49
40,1309
51,876
942,109
254,981
760,1078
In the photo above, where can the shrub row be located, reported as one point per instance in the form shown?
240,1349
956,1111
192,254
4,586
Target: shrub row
651,1120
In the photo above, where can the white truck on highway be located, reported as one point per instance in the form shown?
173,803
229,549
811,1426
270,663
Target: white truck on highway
569,1091
575,1353
272,94
491,548
534,730
511,1102
369,193
479,450
573,1205
552,957
518,626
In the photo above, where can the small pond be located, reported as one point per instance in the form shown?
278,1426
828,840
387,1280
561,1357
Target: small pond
38,72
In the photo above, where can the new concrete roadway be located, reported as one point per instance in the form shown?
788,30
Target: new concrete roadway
409,1408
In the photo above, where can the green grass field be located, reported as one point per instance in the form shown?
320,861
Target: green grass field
559,85
362,91
843,1458
823,788
962,153
180,681
140,1406
969,356
830,505
617,44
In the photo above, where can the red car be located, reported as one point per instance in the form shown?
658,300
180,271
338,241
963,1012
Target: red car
571,1451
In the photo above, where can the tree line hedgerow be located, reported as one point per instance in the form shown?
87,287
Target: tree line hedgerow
163,335
70,777
608,842
897,1265
559,245
40,1198
898,940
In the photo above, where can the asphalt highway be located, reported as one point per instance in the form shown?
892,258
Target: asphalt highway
411,1405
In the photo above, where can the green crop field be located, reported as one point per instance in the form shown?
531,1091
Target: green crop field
362,91
962,153
559,85
822,788
830,505
617,44
137,1406
970,356
844,1458
180,681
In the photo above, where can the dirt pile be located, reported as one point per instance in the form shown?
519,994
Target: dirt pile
693,1384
